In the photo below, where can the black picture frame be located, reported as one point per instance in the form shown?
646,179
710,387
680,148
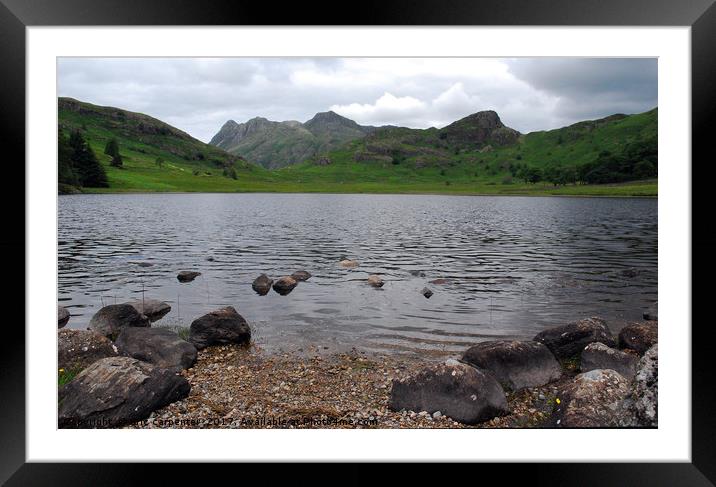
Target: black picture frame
700,15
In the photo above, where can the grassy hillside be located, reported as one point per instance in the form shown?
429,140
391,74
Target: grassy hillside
394,160
187,164
408,160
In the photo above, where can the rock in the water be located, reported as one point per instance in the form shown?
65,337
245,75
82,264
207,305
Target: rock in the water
219,327
462,392
426,292
595,399
301,275
159,346
187,276
151,308
629,272
646,388
639,336
349,263
63,316
284,285
77,349
515,364
110,320
569,340
599,356
439,282
375,281
116,391
417,273
650,315
262,284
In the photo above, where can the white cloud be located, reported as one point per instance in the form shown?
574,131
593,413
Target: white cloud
388,109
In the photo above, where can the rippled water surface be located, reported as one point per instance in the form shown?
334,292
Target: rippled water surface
513,265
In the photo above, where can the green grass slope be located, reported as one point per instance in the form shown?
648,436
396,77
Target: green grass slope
409,160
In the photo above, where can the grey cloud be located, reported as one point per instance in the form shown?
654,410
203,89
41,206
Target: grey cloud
199,94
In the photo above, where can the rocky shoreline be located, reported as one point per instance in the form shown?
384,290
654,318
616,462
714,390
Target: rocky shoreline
125,373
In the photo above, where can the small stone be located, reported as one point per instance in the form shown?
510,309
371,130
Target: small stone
375,281
426,292
301,275
187,276
284,285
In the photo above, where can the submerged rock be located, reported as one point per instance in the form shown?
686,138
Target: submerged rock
151,308
439,282
569,340
262,284
599,356
426,292
284,285
639,336
595,399
375,281
646,388
301,275
116,391
63,316
159,346
348,263
187,276
515,364
110,320
219,327
462,392
77,349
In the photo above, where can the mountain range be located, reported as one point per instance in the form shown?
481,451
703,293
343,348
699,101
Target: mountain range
278,144
330,153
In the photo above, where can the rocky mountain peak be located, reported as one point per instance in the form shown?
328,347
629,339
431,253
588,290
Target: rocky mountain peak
479,129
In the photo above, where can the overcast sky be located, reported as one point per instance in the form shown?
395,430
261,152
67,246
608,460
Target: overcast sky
198,95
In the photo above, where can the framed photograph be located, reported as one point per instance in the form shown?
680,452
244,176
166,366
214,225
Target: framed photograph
440,233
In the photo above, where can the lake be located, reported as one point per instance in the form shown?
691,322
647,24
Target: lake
512,265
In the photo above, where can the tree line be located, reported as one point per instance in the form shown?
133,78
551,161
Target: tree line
77,163
638,160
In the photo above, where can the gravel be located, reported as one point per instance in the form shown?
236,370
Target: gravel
238,386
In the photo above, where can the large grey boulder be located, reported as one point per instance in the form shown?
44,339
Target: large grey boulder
639,336
515,364
151,308
77,349
262,284
646,388
598,356
159,346
63,316
595,399
569,340
110,320
116,391
284,285
219,327
462,392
